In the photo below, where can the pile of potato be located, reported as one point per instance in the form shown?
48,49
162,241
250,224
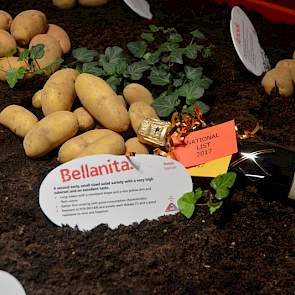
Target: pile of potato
100,105
69,4
26,30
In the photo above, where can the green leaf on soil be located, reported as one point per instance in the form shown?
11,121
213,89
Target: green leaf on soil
92,68
175,37
213,206
37,52
24,55
13,75
193,73
222,183
137,48
159,77
191,91
165,105
154,28
135,70
152,57
176,56
197,34
83,54
147,37
114,82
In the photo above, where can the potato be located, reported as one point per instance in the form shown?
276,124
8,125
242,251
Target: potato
50,132
7,43
92,3
289,64
59,93
98,141
64,4
139,111
122,101
28,24
135,92
52,51
7,63
18,119
85,120
5,20
61,36
133,145
36,99
100,100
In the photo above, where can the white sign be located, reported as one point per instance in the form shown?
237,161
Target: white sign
246,43
113,190
9,285
141,7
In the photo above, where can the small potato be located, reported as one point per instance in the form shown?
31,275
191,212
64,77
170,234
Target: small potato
100,100
98,141
139,111
18,119
7,43
133,145
289,64
61,36
278,77
28,24
7,63
50,132
36,99
64,4
122,101
86,121
52,51
135,92
5,20
92,3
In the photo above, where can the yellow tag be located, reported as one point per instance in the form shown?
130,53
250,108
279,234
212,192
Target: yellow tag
212,168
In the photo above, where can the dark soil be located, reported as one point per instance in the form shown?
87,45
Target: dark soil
248,247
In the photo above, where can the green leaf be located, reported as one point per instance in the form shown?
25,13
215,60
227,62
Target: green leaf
165,105
135,71
168,46
176,56
204,82
159,77
207,52
198,194
186,204
109,68
49,67
147,36
83,54
154,28
92,68
37,51
121,67
152,57
177,82
13,75
191,51
175,37
137,48
203,107
213,206
24,55
222,183
191,91
113,54
197,34
114,82
193,73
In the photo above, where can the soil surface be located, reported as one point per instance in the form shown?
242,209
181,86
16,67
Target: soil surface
248,247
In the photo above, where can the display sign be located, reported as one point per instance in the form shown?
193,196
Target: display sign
9,285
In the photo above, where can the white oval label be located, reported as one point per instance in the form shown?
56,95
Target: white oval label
113,190
246,42
9,285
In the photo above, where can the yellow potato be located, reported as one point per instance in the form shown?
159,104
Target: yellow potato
59,93
18,119
5,20
7,43
122,101
61,36
7,63
64,4
278,77
289,64
100,100
49,133
36,99
133,145
52,51
135,92
92,3
139,111
28,24
86,121
96,141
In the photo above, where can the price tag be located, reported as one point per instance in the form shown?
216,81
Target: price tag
9,285
114,190
246,43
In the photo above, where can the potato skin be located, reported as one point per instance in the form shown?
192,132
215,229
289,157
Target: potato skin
50,132
7,43
18,119
133,145
122,101
139,111
61,36
28,24
36,99
86,121
135,92
92,3
99,99
289,64
64,4
5,20
9,62
91,142
52,51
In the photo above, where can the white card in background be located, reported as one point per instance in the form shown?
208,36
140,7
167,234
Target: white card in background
246,43
113,190
141,7
9,285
